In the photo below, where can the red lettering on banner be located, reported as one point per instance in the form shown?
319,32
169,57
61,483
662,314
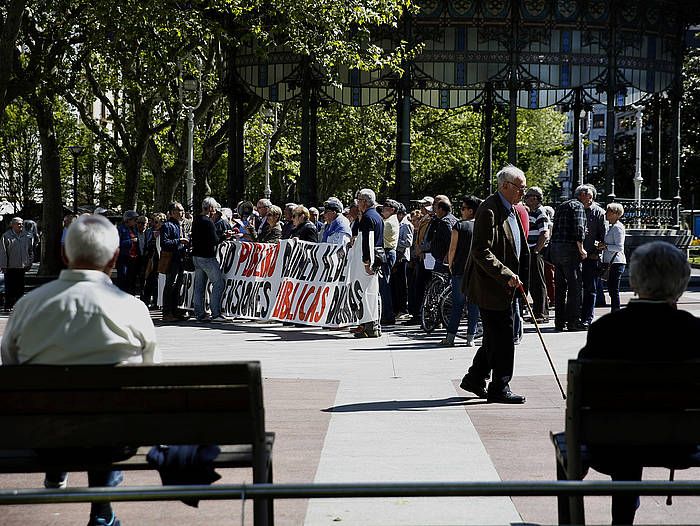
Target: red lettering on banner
306,314
283,301
299,303
324,295
314,304
273,254
246,249
290,303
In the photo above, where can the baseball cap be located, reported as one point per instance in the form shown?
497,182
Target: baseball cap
130,214
426,201
392,204
334,204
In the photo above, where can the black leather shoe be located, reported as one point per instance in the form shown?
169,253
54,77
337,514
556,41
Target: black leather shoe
505,397
576,327
469,385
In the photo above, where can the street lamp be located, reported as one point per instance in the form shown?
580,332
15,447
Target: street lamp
269,112
76,151
190,97
638,165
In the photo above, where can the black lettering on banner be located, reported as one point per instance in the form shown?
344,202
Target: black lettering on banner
227,255
346,305
315,265
265,303
343,260
357,287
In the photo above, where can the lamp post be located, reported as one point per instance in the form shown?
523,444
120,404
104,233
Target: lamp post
638,166
269,112
76,151
190,97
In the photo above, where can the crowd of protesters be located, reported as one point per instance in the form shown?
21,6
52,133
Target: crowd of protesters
411,241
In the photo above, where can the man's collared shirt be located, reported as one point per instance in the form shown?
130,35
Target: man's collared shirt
539,224
569,222
80,318
513,222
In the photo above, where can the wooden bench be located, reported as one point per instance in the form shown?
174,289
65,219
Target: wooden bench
625,404
136,405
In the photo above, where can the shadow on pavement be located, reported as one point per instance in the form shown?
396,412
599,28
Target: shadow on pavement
406,405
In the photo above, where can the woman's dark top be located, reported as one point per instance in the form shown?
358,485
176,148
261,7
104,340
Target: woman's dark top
270,234
306,232
464,229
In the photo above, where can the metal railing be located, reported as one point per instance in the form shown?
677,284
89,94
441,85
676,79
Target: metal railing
650,213
352,490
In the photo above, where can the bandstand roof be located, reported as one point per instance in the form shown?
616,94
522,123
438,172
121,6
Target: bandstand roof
544,49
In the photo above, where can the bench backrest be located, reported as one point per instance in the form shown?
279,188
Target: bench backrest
632,403
105,405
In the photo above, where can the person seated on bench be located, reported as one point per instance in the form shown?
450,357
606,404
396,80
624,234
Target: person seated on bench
82,318
650,328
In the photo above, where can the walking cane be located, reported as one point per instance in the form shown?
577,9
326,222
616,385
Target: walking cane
539,333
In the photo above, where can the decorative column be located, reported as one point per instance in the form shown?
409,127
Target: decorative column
307,188
576,172
403,138
611,89
638,167
235,171
487,123
513,84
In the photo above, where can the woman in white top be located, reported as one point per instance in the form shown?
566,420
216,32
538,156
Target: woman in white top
614,253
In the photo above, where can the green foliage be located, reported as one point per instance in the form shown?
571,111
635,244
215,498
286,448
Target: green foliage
446,151
20,173
542,152
690,109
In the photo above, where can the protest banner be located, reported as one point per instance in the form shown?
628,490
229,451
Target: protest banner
319,284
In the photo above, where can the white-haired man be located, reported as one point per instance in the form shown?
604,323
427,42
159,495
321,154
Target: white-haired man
372,222
82,318
16,257
499,255
206,266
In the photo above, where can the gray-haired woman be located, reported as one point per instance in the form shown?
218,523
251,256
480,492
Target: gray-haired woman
614,253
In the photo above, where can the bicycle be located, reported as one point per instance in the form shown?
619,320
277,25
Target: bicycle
430,315
445,309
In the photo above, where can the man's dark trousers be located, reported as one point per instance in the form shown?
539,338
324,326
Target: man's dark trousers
536,286
14,286
567,290
590,270
497,350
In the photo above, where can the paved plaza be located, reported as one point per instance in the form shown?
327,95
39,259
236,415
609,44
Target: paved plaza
388,409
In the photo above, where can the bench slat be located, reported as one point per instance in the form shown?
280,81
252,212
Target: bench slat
93,401
122,375
231,456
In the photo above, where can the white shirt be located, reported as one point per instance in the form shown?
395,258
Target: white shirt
391,232
80,318
615,243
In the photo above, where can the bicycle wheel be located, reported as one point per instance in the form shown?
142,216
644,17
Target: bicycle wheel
445,306
429,317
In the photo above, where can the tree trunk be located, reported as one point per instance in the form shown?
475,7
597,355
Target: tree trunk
136,154
52,216
9,30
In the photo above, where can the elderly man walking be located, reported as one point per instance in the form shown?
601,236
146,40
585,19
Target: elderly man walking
16,257
499,256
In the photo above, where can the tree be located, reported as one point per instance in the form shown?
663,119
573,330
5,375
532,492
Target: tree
19,155
10,25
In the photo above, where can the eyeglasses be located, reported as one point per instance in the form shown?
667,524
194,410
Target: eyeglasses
140,222
270,215
522,188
